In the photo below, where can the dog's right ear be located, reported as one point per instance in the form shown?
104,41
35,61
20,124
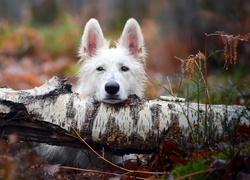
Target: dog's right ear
92,39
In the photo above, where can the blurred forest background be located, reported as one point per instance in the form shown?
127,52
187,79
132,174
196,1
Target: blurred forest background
40,38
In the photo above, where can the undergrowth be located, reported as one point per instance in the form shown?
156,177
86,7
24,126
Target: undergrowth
203,136
61,38
58,39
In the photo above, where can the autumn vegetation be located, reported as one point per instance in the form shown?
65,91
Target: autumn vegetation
30,55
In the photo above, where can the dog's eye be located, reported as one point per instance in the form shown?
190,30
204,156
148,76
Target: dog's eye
124,68
99,69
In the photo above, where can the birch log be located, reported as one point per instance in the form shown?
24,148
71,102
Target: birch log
135,124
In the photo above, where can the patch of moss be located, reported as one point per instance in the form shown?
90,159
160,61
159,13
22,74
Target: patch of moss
190,168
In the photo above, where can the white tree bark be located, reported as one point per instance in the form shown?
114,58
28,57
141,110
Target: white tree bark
134,124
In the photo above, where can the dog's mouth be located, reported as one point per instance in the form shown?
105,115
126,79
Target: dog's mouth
113,99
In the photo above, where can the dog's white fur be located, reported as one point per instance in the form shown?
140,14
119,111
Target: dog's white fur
108,74
123,65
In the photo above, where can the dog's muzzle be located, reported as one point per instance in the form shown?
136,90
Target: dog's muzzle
112,88
112,93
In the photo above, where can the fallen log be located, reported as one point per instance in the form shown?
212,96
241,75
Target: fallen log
49,113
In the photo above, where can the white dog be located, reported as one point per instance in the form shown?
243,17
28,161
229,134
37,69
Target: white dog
112,74
108,74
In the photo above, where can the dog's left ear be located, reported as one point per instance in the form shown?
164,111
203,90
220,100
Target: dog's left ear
132,39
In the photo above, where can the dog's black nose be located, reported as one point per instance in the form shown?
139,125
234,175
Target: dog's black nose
112,88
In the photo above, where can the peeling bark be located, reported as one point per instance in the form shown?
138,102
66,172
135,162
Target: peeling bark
48,113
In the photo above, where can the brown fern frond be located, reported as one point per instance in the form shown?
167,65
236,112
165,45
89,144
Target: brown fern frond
230,43
219,32
226,54
194,68
245,37
190,65
235,44
201,56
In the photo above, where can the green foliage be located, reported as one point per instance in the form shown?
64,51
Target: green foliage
61,38
190,168
73,69
199,169
10,40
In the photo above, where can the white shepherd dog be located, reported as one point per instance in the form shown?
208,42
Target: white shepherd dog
112,74
108,74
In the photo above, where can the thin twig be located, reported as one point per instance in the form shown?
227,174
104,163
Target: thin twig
204,81
128,171
90,170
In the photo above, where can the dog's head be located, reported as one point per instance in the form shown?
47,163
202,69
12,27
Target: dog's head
112,74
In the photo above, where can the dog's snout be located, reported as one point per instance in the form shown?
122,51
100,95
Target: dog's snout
112,88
